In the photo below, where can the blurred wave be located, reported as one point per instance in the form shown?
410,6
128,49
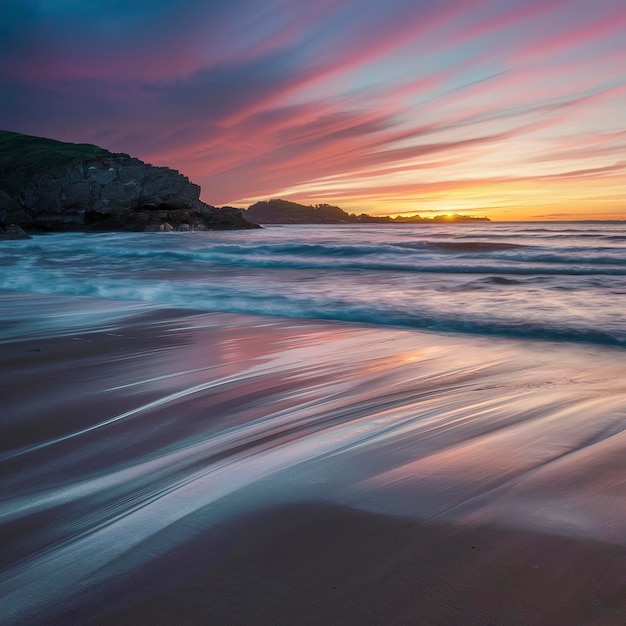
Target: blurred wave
559,282
120,443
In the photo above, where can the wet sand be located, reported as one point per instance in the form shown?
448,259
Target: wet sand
169,467
324,565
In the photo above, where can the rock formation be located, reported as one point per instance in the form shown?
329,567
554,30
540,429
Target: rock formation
279,211
285,212
48,185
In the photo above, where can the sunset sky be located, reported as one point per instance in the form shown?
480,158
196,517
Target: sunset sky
511,109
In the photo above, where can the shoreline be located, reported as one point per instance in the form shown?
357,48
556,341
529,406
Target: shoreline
168,463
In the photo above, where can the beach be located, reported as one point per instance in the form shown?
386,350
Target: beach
313,313
165,465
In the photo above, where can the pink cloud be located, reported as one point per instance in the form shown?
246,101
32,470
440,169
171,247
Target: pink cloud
543,46
360,48
290,93
507,18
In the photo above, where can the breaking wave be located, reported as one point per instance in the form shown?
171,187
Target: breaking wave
553,283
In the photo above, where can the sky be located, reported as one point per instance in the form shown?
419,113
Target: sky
509,109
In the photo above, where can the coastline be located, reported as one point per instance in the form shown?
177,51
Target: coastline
162,463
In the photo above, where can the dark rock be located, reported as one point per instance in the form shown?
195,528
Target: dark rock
10,210
51,185
12,231
285,212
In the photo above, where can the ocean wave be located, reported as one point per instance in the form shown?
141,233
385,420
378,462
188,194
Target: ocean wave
460,282
574,257
341,307
488,281
382,259
409,255
485,327
214,261
472,246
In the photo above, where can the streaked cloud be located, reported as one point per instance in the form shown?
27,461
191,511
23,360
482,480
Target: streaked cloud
496,106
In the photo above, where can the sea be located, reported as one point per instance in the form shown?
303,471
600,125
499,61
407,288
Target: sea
560,281
410,409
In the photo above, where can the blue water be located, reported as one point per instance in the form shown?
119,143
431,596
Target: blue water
138,447
558,281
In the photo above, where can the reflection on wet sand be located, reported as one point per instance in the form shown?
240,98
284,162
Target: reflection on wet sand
142,438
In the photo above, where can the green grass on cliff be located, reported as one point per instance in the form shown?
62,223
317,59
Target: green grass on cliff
23,157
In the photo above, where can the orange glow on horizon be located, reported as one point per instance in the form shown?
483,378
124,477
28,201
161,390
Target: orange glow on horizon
521,200
508,110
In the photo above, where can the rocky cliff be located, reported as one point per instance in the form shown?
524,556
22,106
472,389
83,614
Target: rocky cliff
55,186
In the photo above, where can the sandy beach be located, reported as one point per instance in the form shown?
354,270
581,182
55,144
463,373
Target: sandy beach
313,313
164,466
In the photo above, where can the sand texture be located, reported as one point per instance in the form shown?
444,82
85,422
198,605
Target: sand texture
162,466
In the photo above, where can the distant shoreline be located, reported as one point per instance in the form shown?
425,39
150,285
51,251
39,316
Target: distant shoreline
279,211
